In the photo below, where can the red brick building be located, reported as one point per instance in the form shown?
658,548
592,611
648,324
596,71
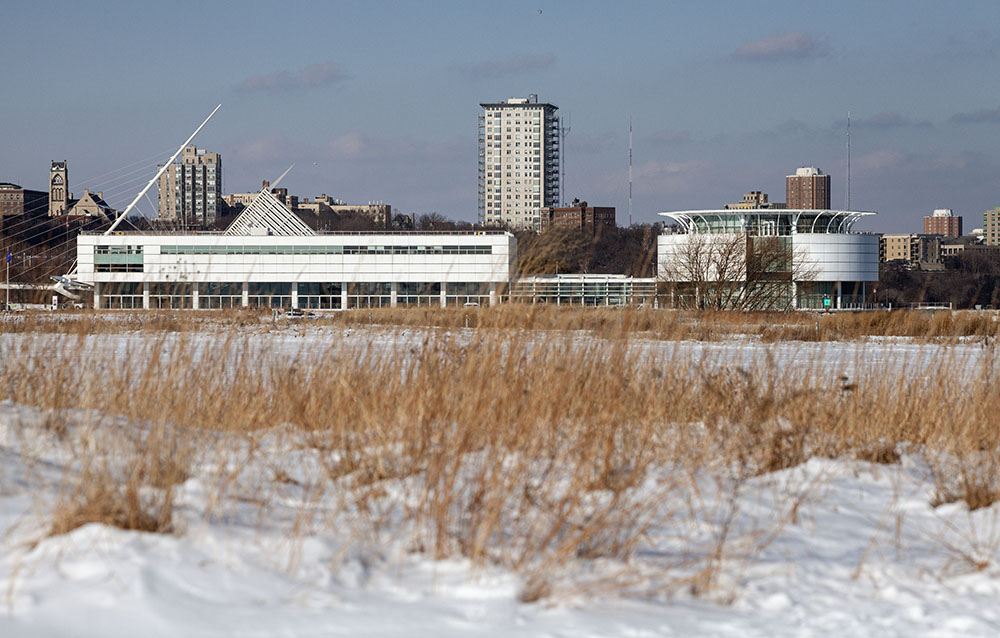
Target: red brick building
944,223
15,200
578,215
807,189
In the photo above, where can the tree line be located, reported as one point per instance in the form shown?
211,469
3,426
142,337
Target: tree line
968,280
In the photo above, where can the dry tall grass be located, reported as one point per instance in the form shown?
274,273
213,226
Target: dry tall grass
607,322
524,448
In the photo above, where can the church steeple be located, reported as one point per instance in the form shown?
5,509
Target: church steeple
58,188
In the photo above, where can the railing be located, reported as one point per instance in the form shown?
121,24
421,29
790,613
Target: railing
321,233
930,305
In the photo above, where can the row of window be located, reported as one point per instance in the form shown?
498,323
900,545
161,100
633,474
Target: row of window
117,250
527,133
326,250
118,267
256,289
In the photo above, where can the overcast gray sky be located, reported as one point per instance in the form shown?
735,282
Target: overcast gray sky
379,100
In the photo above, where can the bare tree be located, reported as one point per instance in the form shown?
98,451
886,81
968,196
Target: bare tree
433,221
735,271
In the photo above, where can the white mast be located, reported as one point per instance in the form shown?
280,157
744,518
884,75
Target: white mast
848,160
630,170
563,132
135,201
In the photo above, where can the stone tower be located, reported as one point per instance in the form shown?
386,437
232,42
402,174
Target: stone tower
58,189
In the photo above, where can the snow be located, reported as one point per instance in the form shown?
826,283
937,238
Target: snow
830,547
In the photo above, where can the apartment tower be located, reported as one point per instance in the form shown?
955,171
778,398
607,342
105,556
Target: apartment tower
191,189
808,188
991,227
943,222
518,161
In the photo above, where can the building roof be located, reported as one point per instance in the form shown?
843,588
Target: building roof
943,212
807,171
97,199
830,221
505,105
266,214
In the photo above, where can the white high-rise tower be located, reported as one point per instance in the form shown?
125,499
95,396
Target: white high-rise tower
518,161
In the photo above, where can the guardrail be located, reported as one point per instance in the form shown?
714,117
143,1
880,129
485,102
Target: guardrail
327,232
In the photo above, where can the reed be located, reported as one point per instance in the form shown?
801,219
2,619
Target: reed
666,325
510,443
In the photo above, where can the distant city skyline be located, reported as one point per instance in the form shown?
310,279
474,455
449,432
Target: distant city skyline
378,101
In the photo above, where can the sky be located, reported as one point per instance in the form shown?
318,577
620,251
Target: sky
379,101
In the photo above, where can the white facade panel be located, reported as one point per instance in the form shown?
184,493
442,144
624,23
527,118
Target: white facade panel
840,257
313,259
830,257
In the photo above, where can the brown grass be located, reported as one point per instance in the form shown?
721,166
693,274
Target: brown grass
604,322
972,477
511,443
125,481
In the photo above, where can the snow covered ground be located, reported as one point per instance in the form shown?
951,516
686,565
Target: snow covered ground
830,547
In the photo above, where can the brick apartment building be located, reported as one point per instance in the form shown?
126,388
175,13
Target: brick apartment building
754,200
991,227
577,215
943,222
807,189
911,249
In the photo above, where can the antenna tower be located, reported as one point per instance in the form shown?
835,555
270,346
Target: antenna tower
630,170
848,160
563,132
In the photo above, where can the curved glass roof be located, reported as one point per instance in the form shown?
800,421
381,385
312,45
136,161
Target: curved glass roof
766,221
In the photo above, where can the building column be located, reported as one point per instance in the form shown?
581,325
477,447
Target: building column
493,293
246,294
145,295
444,294
97,295
795,295
393,294
194,296
840,293
295,294
343,296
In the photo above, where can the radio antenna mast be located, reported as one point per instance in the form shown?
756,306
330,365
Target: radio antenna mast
630,171
848,160
563,132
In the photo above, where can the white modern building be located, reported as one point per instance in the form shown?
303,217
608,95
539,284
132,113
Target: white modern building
268,257
825,265
585,290
518,161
